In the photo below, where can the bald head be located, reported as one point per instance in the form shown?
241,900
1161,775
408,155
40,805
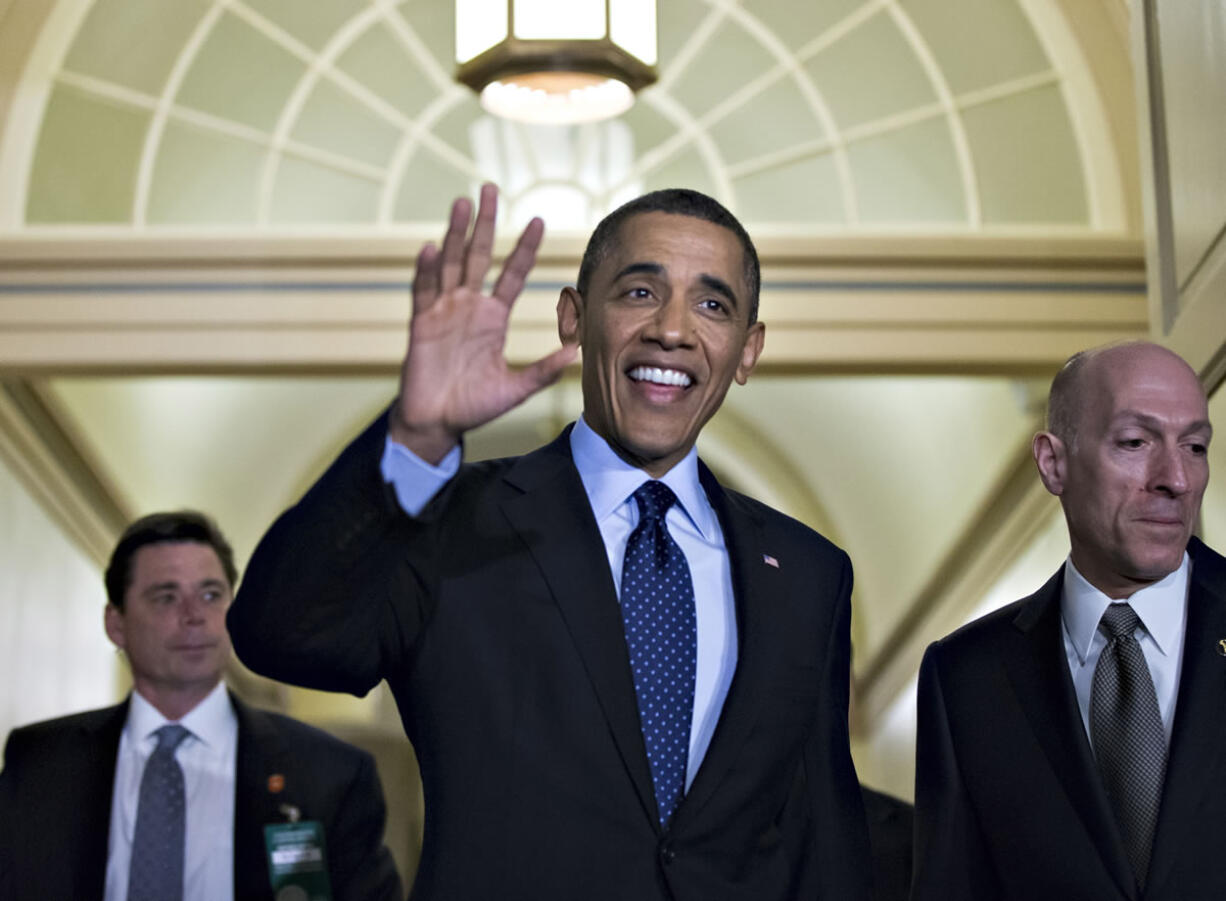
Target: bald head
1080,381
1126,451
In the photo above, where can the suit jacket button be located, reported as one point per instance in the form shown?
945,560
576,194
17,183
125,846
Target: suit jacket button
667,854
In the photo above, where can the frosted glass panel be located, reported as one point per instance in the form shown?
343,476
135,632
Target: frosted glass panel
871,74
85,168
479,25
544,19
204,177
632,24
909,175
1026,159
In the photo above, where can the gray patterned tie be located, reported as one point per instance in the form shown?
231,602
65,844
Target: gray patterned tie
1129,740
156,870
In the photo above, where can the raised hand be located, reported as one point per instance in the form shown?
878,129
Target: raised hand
455,375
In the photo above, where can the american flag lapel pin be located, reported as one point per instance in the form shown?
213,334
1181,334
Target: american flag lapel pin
770,561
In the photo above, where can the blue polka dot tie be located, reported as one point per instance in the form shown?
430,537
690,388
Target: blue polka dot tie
156,871
661,634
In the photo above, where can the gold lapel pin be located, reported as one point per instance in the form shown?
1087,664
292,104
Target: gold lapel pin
1221,646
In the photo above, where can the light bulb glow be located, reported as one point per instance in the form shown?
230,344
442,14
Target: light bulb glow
557,98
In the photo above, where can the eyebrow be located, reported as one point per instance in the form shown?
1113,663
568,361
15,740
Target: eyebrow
710,281
1152,422
175,586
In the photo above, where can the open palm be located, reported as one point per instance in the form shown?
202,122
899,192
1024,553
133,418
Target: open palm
455,375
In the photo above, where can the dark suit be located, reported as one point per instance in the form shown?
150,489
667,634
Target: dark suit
1009,803
494,619
891,826
55,799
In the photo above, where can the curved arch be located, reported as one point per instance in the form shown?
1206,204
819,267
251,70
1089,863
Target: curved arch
165,103
319,65
962,147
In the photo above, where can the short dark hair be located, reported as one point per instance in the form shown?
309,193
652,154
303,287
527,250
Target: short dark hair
164,528
679,202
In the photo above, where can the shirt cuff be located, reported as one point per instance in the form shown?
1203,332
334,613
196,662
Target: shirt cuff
413,479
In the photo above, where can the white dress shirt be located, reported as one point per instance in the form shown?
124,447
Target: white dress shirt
208,757
610,482
1163,611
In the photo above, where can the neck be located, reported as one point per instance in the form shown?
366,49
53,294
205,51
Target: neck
176,702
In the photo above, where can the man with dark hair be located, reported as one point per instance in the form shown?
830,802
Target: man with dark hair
679,202
167,795
1070,745
181,526
622,680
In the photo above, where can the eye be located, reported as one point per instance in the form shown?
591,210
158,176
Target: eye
639,293
212,594
1132,443
713,305
164,598
1198,449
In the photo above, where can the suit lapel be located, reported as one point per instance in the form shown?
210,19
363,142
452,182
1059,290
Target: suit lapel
261,754
92,819
1197,739
1038,672
551,513
754,584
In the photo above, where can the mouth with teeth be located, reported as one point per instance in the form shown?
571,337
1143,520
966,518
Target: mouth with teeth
654,375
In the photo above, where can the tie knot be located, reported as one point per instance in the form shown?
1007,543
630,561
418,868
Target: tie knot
654,498
1120,621
170,737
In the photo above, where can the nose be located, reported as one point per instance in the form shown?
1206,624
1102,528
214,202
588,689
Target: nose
671,326
1169,473
191,611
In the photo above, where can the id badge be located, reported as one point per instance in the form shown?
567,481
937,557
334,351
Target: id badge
297,861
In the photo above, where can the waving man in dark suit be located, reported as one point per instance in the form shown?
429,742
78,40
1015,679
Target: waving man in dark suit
622,680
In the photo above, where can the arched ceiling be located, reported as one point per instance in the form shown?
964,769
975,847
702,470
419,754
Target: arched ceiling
949,115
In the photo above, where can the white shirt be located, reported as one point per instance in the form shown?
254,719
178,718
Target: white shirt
1163,611
609,482
208,757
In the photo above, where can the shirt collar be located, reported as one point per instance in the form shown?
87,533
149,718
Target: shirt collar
610,481
211,721
1159,607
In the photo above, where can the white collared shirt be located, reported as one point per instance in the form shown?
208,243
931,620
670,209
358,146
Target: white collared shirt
609,482
208,757
1163,610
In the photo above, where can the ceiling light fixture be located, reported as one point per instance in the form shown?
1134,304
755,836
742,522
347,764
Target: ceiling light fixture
556,61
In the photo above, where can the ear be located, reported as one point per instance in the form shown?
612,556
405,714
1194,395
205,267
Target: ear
113,622
750,352
1051,457
570,316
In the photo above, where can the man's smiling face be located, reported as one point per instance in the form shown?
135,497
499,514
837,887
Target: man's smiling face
664,330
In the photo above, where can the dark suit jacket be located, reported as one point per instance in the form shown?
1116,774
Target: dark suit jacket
55,801
494,618
1009,803
891,826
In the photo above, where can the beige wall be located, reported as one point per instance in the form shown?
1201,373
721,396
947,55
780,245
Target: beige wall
54,656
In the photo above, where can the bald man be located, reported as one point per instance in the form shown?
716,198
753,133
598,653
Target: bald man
1071,745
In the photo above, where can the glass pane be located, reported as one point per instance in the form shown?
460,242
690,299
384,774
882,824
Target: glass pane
479,25
546,19
204,177
85,166
632,24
